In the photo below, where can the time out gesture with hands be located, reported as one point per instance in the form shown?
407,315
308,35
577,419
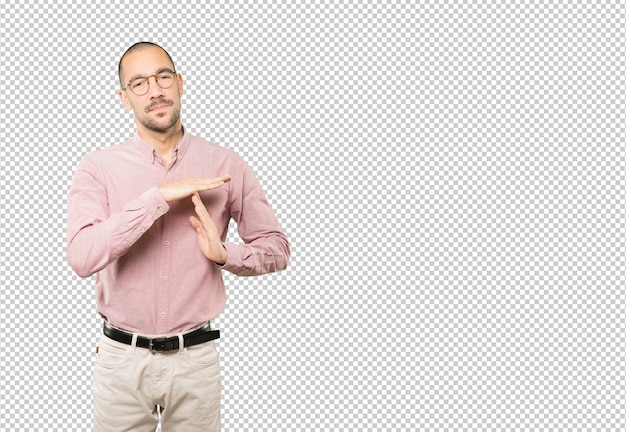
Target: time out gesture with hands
208,238
190,185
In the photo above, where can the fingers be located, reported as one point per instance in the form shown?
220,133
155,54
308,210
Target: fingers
208,237
209,183
195,223
201,210
199,205
204,226
189,185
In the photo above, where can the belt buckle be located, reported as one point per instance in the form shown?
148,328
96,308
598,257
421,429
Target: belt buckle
162,344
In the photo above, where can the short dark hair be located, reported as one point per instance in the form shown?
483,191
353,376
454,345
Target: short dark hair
136,47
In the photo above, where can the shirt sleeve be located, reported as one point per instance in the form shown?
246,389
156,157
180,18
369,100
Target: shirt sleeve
96,237
266,248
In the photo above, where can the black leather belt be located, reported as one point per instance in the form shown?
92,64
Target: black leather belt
195,337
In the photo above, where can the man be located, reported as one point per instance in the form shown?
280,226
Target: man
150,217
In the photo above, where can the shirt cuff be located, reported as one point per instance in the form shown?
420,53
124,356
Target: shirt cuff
233,257
154,202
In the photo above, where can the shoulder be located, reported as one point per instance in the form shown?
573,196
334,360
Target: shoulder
199,147
109,155
109,151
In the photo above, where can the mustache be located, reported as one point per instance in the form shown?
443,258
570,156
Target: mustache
157,103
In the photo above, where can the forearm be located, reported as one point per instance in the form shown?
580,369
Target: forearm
94,242
266,248
264,255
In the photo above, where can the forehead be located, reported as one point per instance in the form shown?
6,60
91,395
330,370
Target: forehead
145,61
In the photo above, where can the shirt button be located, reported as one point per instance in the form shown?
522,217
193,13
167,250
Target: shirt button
164,278
141,230
167,242
162,314
159,209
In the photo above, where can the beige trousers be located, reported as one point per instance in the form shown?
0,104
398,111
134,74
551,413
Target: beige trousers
129,383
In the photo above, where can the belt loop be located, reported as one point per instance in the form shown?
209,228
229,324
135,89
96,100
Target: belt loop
181,342
133,344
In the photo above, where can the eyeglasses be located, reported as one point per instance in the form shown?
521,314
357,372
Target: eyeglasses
141,85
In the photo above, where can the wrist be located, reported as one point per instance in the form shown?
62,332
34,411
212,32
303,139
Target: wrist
223,256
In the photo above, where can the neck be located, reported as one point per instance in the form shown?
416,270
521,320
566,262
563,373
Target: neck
163,142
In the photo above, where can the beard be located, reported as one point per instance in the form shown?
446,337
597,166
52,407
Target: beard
152,125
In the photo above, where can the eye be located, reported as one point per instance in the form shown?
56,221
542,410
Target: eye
166,78
137,84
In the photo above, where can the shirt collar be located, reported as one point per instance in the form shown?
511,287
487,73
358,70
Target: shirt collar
149,153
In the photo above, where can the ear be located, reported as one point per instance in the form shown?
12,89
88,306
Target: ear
124,99
180,83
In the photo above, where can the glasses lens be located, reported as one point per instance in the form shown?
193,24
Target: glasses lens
139,86
165,79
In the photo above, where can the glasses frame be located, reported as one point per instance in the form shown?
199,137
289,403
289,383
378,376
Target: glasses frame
156,79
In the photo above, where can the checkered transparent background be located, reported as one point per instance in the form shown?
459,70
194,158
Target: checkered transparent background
450,175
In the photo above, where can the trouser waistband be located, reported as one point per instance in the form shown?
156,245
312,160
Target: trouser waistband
194,337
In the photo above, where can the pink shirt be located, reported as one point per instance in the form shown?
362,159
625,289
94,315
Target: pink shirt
152,277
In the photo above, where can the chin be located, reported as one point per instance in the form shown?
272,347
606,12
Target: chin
161,126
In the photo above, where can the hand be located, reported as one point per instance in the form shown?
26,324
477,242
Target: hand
208,237
189,186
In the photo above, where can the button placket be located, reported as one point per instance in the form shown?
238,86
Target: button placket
165,272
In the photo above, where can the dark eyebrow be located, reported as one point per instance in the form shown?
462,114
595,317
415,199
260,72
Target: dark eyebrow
156,73
165,70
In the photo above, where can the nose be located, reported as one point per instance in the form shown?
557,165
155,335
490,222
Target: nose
154,90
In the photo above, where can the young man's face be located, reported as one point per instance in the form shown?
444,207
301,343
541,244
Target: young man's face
159,108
